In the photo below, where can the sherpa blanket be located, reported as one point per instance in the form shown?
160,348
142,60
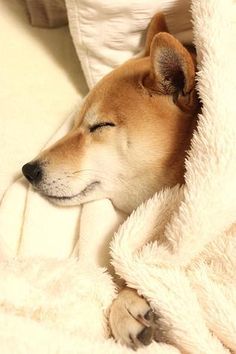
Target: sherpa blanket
178,249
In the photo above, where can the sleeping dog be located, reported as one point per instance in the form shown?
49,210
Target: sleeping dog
129,142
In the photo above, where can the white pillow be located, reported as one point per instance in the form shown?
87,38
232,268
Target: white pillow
106,33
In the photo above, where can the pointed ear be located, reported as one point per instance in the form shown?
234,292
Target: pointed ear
157,25
172,69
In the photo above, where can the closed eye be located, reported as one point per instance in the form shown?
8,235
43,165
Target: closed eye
100,125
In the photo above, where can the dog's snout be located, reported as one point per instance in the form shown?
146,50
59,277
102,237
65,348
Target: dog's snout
33,172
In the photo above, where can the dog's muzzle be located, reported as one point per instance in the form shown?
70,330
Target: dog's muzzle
33,172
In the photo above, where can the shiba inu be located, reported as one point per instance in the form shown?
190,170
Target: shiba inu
129,141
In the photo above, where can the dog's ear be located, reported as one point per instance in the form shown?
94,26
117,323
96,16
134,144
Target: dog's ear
172,70
157,25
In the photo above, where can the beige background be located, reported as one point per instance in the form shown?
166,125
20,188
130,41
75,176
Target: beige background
41,82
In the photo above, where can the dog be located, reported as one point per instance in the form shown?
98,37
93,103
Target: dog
129,141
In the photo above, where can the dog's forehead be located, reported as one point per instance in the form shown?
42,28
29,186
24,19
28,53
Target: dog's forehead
94,113
114,94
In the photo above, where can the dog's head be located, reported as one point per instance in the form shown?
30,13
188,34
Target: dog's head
130,136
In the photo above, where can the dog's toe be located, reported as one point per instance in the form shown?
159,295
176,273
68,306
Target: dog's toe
146,335
132,321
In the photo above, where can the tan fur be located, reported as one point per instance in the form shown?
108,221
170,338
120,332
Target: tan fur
157,24
152,134
152,103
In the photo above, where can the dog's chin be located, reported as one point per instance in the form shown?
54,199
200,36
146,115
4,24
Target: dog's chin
76,199
64,202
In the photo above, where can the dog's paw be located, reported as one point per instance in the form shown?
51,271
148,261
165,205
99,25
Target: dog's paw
132,321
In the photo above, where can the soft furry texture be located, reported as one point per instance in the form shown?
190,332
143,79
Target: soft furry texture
178,249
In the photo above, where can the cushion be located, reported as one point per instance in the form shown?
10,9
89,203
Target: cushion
107,33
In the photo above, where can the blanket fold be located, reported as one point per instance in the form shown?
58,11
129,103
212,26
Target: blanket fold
195,247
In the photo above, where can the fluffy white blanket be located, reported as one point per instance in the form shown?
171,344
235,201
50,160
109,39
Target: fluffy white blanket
178,249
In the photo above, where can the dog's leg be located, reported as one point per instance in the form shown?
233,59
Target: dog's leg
132,321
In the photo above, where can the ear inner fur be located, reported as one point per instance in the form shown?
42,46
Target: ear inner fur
172,65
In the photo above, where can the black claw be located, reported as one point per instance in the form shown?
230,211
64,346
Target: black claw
149,315
156,319
152,317
145,336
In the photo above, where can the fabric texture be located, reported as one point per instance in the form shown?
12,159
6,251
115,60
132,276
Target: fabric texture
187,271
106,34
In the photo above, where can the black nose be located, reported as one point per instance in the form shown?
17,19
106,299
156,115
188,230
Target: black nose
33,172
